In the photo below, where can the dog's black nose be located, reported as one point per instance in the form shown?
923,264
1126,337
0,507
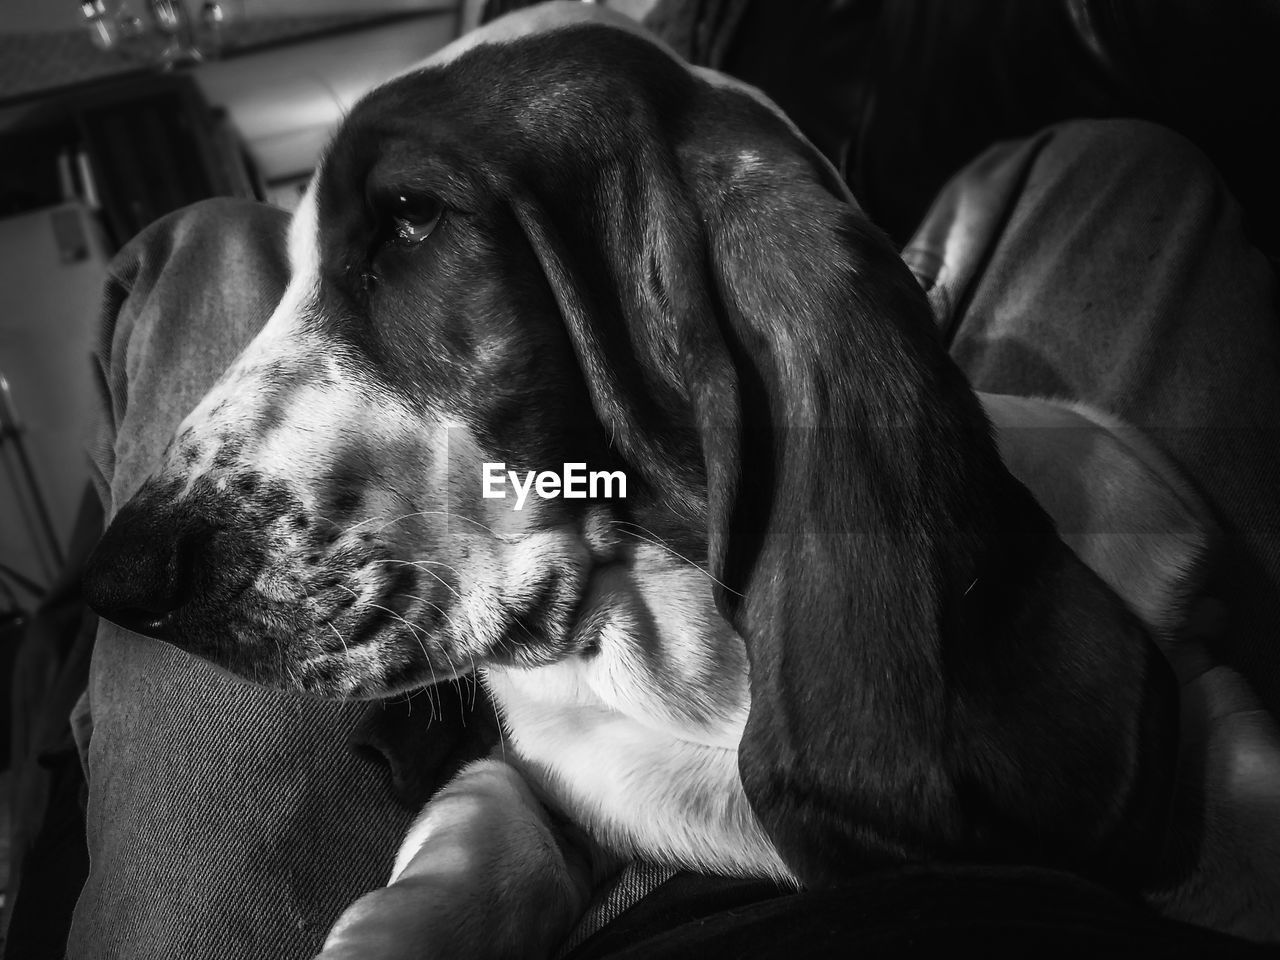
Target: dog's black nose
141,572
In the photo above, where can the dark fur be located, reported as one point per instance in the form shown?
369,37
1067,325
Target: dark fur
933,674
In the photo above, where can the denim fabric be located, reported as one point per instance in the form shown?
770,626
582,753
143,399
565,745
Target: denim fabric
224,820
1105,261
637,881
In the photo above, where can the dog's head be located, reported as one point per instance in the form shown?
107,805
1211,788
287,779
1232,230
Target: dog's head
562,247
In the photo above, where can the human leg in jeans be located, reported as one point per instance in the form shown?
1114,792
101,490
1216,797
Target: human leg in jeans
1105,262
1111,266
224,819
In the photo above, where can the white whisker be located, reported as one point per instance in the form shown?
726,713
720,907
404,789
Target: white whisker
448,516
311,602
431,573
654,540
417,632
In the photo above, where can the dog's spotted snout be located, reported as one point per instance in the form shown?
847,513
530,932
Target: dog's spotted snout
160,559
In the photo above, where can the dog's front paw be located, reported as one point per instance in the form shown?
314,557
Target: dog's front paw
482,873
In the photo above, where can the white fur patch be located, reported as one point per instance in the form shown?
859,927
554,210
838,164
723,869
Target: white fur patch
637,740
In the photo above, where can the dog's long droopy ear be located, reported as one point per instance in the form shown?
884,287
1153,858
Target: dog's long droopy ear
933,673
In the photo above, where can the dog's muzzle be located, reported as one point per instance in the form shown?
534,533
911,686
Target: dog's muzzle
140,574
183,568
165,561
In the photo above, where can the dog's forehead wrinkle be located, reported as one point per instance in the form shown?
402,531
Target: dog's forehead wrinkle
414,165
580,71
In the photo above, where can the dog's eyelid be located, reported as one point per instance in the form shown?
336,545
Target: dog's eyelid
410,203
416,220
391,200
404,216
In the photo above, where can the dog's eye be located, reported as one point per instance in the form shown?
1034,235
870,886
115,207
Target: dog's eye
414,218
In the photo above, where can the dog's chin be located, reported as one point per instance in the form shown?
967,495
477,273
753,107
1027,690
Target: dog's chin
376,669
351,678
314,659
391,662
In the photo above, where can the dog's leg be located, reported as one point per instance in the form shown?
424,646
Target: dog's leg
484,872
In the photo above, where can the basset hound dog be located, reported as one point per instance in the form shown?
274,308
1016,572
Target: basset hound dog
825,629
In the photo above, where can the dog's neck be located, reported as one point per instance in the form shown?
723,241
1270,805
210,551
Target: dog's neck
635,737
